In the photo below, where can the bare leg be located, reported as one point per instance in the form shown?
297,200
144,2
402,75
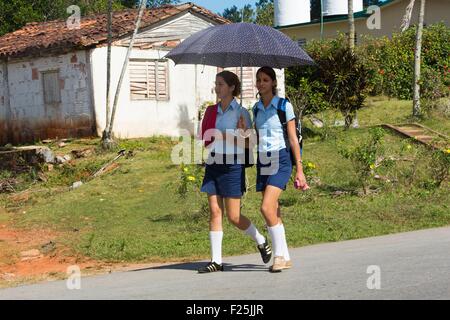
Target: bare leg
233,210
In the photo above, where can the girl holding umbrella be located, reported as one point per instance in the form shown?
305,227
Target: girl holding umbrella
224,180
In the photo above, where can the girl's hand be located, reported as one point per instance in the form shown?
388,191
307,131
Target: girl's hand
300,180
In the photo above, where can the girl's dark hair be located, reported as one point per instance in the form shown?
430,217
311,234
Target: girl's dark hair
271,73
231,79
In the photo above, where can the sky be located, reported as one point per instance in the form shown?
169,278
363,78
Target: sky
219,5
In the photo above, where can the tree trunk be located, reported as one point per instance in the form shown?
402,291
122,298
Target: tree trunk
351,24
417,60
348,118
106,140
125,65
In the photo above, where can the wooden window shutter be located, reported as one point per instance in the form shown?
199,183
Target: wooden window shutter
248,81
52,92
149,79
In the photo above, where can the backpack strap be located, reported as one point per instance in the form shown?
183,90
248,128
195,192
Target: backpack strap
281,111
255,112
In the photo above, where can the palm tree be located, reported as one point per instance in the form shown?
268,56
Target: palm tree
107,142
107,139
417,60
351,24
417,52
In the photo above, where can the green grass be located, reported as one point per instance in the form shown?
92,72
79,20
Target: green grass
134,214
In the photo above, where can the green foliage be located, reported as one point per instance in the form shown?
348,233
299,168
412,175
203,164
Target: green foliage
14,14
364,155
235,15
189,183
158,3
308,98
391,62
265,13
339,78
439,167
346,78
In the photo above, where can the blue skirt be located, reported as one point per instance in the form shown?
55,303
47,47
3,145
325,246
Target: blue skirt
273,168
225,180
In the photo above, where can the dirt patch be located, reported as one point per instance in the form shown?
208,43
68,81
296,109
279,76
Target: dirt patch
28,254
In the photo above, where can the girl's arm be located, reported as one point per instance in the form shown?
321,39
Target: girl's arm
295,148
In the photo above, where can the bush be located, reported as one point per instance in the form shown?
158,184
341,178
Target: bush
391,61
339,79
308,98
364,156
388,63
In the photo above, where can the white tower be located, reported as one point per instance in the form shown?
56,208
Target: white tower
289,12
336,7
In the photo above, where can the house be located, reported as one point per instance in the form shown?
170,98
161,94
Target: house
53,78
335,18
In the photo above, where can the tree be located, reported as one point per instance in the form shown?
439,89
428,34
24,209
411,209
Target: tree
158,3
265,13
107,138
417,51
351,26
14,14
368,3
417,60
235,15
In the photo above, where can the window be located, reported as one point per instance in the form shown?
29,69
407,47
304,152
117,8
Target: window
149,79
52,92
249,82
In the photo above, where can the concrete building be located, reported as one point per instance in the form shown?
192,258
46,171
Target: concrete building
336,18
53,78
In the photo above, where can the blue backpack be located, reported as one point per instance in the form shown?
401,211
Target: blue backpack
281,112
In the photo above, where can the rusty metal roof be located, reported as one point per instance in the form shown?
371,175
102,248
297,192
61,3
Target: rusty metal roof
55,36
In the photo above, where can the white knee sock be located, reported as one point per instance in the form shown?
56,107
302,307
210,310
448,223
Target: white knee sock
215,237
254,233
285,247
276,233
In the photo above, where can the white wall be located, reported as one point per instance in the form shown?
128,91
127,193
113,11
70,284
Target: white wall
30,117
3,101
149,117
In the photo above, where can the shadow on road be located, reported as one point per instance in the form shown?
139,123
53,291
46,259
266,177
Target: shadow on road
193,266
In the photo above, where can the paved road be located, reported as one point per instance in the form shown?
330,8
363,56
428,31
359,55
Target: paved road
413,265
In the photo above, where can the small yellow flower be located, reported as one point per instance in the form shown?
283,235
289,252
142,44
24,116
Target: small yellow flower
447,151
408,147
185,169
311,165
372,166
191,178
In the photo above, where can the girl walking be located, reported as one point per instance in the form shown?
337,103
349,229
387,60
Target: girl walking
224,180
274,166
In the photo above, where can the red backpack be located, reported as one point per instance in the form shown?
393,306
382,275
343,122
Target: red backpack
209,122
